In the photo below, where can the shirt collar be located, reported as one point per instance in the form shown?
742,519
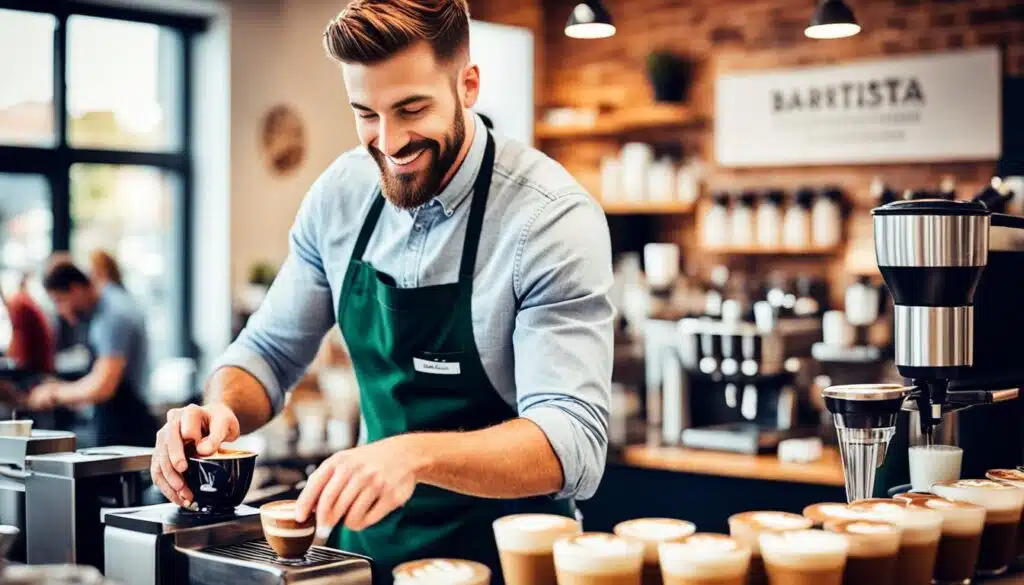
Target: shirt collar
455,192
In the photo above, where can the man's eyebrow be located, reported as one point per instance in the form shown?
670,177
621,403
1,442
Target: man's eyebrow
409,100
359,106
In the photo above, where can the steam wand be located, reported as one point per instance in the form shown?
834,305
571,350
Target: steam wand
933,398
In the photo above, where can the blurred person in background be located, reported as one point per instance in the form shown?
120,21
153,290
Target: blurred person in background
33,344
117,340
104,269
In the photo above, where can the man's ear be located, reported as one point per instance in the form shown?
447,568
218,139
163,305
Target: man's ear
469,85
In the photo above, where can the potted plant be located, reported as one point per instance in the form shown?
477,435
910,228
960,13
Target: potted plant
670,75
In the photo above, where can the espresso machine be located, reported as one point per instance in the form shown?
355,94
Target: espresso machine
167,545
955,286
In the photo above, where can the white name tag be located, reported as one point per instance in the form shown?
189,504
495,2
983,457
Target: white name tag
440,368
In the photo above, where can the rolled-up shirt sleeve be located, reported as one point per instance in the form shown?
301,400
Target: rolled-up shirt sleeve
563,338
283,335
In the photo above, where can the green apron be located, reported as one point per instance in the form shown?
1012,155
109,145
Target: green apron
419,370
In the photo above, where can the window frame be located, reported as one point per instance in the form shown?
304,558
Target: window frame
54,163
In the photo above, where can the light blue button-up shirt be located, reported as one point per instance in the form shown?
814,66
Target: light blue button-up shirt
542,318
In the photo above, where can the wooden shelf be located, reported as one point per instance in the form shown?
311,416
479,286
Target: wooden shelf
653,117
826,471
753,251
646,207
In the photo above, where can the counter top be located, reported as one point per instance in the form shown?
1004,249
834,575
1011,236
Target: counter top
826,471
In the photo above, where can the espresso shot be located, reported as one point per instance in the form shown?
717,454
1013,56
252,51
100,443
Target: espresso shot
289,538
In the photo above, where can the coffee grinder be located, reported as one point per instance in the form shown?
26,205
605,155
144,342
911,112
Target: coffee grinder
956,321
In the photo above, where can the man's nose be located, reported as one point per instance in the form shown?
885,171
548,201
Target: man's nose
392,139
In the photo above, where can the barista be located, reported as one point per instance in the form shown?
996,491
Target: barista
117,340
469,275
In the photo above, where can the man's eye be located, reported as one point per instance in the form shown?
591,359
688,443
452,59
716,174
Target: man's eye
413,112
368,116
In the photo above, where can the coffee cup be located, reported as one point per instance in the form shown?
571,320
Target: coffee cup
803,557
651,532
919,539
526,544
597,558
16,428
704,559
1015,477
962,524
746,528
824,512
441,572
289,538
1003,503
872,553
932,463
220,481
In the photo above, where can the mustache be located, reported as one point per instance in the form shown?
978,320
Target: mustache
411,148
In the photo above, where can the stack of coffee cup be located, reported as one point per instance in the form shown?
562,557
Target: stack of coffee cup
803,557
595,558
919,540
526,546
747,527
1016,478
873,550
819,514
962,523
1003,503
651,532
442,572
704,559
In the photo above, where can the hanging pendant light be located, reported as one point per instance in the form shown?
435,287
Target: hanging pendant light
833,19
590,20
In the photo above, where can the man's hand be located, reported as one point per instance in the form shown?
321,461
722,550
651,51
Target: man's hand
206,427
42,397
363,484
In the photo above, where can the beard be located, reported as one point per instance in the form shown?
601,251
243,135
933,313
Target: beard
412,190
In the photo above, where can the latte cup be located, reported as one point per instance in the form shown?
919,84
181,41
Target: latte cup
704,559
442,572
819,514
1015,477
746,528
962,523
919,539
597,558
651,532
289,539
526,546
1003,503
804,557
872,553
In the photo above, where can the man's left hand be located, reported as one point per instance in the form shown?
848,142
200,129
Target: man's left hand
42,397
363,484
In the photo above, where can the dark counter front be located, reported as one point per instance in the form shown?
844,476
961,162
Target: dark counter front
706,487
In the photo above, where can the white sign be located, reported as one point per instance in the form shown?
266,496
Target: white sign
936,107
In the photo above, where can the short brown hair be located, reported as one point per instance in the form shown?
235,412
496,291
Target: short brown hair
370,31
62,275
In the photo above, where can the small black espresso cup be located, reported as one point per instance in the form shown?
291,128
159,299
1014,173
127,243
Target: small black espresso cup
219,482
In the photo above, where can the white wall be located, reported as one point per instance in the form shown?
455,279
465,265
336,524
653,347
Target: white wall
277,57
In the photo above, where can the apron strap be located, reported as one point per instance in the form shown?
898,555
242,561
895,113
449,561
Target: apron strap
368,224
481,188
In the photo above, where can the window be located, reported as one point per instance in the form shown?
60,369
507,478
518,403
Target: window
94,134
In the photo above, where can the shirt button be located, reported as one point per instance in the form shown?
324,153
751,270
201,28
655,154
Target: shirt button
418,227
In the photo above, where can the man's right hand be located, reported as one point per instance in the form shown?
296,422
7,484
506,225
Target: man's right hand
206,427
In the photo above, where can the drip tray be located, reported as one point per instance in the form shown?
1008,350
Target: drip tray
259,551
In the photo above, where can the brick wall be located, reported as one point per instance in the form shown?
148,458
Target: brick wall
732,35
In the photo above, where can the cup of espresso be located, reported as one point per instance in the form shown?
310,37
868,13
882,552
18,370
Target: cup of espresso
872,553
289,539
704,559
1015,477
651,532
804,557
1003,503
962,523
932,463
441,572
595,558
526,544
819,514
219,482
746,528
919,540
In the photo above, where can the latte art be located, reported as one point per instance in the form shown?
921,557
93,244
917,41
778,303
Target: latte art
778,520
598,553
712,557
537,522
655,529
441,572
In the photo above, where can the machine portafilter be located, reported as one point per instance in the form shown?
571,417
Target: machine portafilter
932,254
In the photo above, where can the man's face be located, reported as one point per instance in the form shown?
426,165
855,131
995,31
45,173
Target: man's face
72,305
409,116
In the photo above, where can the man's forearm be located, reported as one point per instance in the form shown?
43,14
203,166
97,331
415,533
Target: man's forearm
243,394
510,460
